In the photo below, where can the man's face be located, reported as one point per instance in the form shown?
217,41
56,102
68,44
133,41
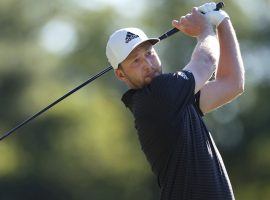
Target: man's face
140,67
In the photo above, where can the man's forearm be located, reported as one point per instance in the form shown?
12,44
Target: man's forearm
230,67
204,59
206,51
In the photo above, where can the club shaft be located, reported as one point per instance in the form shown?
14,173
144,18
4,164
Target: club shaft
56,102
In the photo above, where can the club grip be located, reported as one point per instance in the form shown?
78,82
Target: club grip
175,30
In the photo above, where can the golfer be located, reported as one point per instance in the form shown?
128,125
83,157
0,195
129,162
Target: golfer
168,108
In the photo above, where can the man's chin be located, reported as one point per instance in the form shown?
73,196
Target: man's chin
148,80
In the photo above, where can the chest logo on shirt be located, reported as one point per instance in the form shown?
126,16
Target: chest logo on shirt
130,36
183,75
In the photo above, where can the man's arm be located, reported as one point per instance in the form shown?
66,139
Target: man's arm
203,60
205,55
229,80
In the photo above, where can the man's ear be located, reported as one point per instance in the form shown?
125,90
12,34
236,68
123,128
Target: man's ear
120,74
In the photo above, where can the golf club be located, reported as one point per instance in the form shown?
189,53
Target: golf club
165,35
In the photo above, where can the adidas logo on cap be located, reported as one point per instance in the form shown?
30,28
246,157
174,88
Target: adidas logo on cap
130,36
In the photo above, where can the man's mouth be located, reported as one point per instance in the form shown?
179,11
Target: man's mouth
152,74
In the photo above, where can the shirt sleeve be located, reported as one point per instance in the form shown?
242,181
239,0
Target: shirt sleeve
197,103
174,89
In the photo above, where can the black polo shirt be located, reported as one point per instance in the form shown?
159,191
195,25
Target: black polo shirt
175,140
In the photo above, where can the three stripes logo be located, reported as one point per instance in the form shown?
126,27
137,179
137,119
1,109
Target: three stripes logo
130,36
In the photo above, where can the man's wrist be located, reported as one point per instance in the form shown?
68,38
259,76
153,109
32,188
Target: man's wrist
224,24
206,32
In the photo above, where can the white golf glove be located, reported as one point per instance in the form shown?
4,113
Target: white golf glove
215,17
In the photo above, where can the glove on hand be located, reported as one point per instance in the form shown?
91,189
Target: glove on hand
215,17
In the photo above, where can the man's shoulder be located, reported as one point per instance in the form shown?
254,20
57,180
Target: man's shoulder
166,87
166,80
182,74
127,97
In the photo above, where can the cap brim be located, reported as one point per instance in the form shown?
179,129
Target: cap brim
153,41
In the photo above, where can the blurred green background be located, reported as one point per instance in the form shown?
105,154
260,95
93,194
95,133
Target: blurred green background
86,147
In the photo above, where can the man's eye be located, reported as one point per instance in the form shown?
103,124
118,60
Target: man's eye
136,60
150,52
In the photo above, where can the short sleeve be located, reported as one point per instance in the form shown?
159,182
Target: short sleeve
174,89
197,103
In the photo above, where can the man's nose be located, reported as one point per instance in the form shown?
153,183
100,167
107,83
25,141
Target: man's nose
147,64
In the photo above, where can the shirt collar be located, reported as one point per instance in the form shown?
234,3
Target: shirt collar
127,97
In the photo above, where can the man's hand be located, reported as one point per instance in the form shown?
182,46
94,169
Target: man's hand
214,17
193,24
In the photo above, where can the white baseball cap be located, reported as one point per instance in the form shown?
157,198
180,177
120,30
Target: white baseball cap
122,42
